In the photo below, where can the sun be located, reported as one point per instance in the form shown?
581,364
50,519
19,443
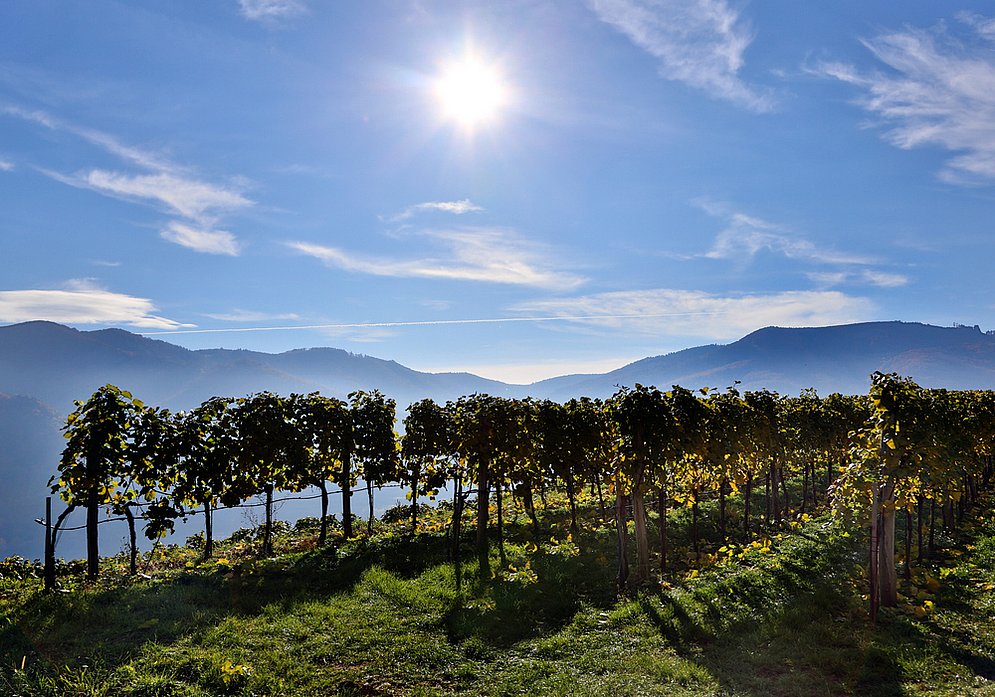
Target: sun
470,93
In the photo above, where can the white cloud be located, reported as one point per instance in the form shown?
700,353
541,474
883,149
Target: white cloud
238,315
744,236
455,207
670,312
937,91
493,255
137,156
6,165
985,26
189,198
437,305
359,335
698,42
206,241
262,10
198,202
34,115
883,279
81,303
880,279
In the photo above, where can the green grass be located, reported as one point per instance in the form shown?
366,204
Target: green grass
383,617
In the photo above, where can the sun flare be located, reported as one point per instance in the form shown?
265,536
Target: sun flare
470,93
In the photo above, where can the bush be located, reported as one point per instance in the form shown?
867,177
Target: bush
18,568
402,512
312,524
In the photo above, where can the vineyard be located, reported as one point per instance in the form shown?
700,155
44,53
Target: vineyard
699,512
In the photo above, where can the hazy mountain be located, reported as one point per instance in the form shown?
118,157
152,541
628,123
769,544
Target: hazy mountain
48,366
57,364
45,366
830,359
30,444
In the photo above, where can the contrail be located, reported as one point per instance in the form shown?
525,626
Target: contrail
426,323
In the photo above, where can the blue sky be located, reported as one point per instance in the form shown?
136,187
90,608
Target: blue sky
522,188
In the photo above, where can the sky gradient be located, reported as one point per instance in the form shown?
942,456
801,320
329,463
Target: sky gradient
635,176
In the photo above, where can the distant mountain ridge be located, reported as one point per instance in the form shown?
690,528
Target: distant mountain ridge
829,359
45,366
56,364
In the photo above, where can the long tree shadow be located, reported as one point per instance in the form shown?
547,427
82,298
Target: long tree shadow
784,627
799,649
67,628
794,629
499,612
111,624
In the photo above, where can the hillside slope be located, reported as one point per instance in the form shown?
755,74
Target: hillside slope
45,366
830,359
57,364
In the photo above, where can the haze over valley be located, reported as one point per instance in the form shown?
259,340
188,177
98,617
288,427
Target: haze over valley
45,366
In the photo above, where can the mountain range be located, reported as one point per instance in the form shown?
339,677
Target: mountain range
45,366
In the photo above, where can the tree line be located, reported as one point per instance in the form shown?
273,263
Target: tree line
901,449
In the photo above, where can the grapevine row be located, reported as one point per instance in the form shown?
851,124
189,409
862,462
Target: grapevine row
895,450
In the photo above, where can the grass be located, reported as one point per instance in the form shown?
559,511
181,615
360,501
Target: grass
382,616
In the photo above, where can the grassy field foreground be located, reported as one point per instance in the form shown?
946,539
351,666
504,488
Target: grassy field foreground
381,616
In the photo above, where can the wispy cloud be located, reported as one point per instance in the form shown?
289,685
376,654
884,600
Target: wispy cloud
239,315
396,324
881,279
106,141
189,198
437,305
200,204
37,116
82,303
359,335
657,313
938,90
985,26
206,241
263,10
670,312
455,207
745,236
494,255
698,42
6,165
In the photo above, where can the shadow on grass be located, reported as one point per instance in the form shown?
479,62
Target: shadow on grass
780,626
794,628
499,613
109,625
106,624
673,621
